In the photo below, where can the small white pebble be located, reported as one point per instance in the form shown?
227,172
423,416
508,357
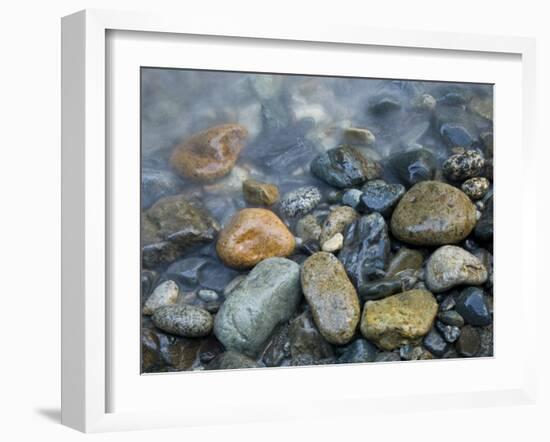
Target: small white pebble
334,243
164,294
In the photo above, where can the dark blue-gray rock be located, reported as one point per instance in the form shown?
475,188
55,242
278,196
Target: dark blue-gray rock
186,270
484,227
344,166
461,166
299,201
334,196
401,282
413,166
387,356
469,343
266,298
148,279
451,317
156,184
405,259
449,332
435,343
352,198
183,320
379,196
471,305
455,134
231,360
278,347
360,350
310,247
215,276
207,295
447,304
384,105
366,250
411,352
307,345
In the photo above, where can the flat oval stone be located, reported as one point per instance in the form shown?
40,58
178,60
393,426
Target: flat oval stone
209,154
435,343
331,296
268,296
251,236
378,196
261,194
183,320
476,187
399,319
462,166
432,213
164,294
299,201
450,266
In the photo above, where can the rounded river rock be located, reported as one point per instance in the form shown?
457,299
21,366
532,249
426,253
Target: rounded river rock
183,320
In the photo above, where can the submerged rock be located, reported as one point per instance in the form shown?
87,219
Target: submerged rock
435,343
378,196
308,228
331,296
472,306
433,213
462,166
156,184
307,345
469,342
251,236
356,135
261,194
476,187
337,221
300,201
413,166
404,259
484,227
231,360
268,296
183,320
359,350
165,293
381,288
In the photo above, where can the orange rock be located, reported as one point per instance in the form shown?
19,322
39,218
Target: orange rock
253,235
209,154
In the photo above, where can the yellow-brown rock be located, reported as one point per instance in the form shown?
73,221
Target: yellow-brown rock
209,154
251,236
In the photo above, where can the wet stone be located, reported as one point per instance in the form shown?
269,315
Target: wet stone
156,184
448,303
278,348
435,343
411,352
386,356
352,198
451,317
472,306
476,187
360,350
231,360
460,167
356,135
183,320
486,337
334,243
258,193
469,343
299,201
449,332
384,105
378,196
413,166
165,293
484,227
336,222
404,259
310,247
207,295
308,228
381,288
307,344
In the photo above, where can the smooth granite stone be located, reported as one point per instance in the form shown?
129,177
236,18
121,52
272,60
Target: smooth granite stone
399,319
450,266
381,288
183,320
451,317
366,250
209,154
352,198
359,350
299,201
278,347
405,259
469,342
476,187
251,236
413,166
331,296
432,213
484,227
156,184
472,306
258,193
231,360
171,227
460,167
166,293
378,196
344,166
267,297
449,332
307,344
435,343
387,356
336,222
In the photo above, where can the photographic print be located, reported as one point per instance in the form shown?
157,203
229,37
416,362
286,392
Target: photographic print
295,220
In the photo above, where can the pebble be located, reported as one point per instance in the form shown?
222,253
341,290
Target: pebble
307,344
357,135
413,166
432,213
450,266
166,293
379,196
352,198
451,317
344,167
171,227
251,236
447,304
209,154
266,298
258,193
449,332
333,244
381,288
183,320
435,343
278,347
233,284
472,306
425,102
460,167
387,356
336,222
385,105
404,259
300,201
476,187
399,319
411,352
156,184
230,360
484,227
331,296
208,295
308,228
358,351
469,342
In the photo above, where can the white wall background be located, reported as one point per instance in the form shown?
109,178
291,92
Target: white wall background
30,215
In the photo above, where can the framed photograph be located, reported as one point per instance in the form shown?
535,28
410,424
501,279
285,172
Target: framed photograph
273,222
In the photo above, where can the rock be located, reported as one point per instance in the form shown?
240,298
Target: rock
399,319
404,259
171,227
482,106
476,187
278,348
208,295
307,345
337,221
231,360
261,194
435,343
334,196
359,350
251,236
468,344
333,244
449,332
209,154
448,303
462,166
165,293
233,285
450,266
310,247
381,288
356,135
344,166
308,228
412,353
186,270
486,336
352,198
386,356
183,320
331,296
451,317
267,297
382,106
471,305
299,201
151,359
209,349
413,166
156,184
378,196
484,227
433,213
425,102
148,278
366,250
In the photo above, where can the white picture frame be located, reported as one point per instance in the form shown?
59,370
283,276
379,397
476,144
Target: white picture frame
87,210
